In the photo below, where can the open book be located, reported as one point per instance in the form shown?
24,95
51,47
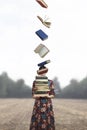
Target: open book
42,50
44,21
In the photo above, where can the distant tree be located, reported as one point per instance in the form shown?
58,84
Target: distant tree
57,86
10,88
75,89
71,90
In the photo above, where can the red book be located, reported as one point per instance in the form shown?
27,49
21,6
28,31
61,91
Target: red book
42,3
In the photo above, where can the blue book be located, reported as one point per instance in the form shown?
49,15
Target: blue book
43,36
44,63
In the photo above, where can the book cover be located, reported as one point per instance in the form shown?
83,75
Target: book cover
42,3
42,71
42,35
42,50
44,22
44,63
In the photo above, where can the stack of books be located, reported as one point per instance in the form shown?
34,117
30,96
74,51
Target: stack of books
41,85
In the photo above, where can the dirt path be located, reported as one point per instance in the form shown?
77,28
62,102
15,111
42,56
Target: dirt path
15,114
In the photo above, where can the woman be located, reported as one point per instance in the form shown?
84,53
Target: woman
43,115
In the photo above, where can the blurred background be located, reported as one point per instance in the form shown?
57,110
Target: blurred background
67,42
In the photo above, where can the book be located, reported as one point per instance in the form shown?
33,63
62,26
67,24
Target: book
44,63
42,71
43,90
41,85
40,92
44,22
42,50
41,95
42,35
41,77
41,82
42,3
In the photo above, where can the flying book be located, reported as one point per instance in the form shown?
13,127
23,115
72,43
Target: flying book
44,22
42,35
42,3
42,50
44,63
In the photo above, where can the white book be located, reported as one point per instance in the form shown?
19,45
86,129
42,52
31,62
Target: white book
42,50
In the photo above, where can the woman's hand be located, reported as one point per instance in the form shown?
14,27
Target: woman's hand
50,96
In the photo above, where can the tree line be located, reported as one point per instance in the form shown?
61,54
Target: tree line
18,89
75,89
12,89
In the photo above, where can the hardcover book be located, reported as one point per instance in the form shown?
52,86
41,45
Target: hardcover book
42,71
42,3
44,63
44,22
42,35
41,77
42,50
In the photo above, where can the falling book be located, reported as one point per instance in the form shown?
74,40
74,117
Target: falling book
42,35
44,63
44,22
42,50
42,3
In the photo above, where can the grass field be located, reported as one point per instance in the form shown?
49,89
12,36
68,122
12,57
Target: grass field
15,114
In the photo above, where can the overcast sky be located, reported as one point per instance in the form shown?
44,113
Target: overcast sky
67,39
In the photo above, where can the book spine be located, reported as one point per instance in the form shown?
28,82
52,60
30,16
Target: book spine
43,90
40,92
41,95
41,85
41,77
41,82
